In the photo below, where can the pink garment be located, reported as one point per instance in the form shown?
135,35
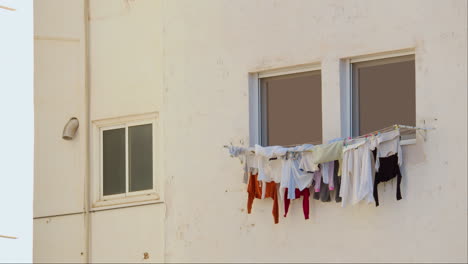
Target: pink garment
305,201
317,180
328,169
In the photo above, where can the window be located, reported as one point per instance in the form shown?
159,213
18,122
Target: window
127,158
383,94
290,109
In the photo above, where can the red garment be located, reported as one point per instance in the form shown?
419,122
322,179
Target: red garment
272,192
305,201
254,190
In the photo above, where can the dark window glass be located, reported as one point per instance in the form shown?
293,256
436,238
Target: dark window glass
140,155
383,94
114,161
291,109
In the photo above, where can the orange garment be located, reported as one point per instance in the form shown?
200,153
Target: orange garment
272,192
254,190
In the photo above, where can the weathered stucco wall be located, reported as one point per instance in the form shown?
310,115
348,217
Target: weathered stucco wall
210,46
125,58
59,166
190,61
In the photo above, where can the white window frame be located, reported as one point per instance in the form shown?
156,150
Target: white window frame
127,198
255,111
348,104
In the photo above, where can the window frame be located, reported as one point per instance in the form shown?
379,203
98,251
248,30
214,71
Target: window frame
143,196
257,133
349,121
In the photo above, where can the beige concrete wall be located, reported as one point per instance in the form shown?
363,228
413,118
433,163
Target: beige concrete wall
125,235
189,61
59,239
59,94
59,166
210,46
125,74
125,47
125,57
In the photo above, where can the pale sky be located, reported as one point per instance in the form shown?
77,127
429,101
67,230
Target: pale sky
16,130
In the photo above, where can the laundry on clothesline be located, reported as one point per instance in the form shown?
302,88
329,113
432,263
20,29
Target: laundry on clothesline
346,170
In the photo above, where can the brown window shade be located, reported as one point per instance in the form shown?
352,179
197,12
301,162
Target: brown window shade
383,94
291,109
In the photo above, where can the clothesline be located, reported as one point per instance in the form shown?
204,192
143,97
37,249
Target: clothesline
348,139
348,170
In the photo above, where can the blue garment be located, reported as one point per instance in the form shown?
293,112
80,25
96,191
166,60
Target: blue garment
292,186
335,140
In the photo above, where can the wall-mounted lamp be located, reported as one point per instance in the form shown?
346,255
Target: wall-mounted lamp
70,128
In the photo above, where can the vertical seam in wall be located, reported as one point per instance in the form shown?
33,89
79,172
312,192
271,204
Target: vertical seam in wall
162,121
88,132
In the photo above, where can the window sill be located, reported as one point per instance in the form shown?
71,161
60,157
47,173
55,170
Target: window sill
126,202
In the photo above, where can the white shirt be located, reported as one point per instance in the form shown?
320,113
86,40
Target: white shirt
357,175
307,162
263,156
292,177
388,144
302,178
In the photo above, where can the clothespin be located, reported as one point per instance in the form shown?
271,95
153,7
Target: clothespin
346,141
